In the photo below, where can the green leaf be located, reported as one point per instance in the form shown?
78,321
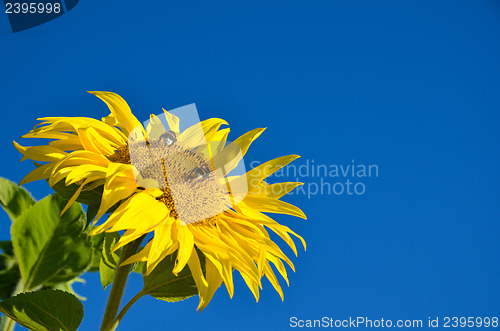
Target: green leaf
14,199
48,310
162,284
6,247
9,270
139,267
8,281
97,243
51,248
91,213
68,287
87,197
109,260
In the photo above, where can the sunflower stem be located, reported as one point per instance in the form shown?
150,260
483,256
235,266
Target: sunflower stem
119,282
8,324
125,309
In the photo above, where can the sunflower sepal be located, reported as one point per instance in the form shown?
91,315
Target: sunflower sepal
109,259
87,197
91,213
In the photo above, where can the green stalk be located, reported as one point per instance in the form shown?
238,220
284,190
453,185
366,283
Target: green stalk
7,323
125,309
119,281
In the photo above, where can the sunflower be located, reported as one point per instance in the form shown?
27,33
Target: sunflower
158,179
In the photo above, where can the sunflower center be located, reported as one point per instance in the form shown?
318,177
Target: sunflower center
191,190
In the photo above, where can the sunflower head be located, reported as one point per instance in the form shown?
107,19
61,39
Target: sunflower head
184,172
184,185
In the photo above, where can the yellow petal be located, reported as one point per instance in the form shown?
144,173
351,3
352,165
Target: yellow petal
139,257
283,231
271,205
280,266
127,237
42,172
239,259
200,133
232,154
219,139
123,208
199,279
252,285
74,197
186,243
119,185
161,241
71,143
74,159
155,127
40,153
120,110
84,171
274,281
214,281
92,141
274,191
125,216
145,209
163,255
265,170
254,216
172,120
225,271
72,124
110,120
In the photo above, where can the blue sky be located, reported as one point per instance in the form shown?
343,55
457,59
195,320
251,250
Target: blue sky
411,87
